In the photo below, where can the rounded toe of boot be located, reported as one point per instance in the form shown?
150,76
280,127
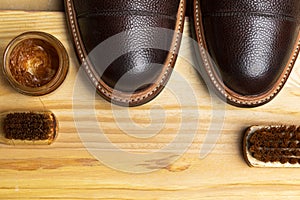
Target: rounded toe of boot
251,47
130,48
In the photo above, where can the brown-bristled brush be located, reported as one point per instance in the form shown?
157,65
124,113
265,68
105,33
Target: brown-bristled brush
272,146
19,128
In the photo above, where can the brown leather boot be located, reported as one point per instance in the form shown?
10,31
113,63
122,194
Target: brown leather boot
248,48
128,48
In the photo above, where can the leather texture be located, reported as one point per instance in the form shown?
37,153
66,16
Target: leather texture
251,43
138,23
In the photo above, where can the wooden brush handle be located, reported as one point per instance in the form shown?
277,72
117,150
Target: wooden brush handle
34,128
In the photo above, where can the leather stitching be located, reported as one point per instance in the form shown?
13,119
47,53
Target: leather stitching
125,12
251,14
218,86
93,78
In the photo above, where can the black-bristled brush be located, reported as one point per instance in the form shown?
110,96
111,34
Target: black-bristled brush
19,128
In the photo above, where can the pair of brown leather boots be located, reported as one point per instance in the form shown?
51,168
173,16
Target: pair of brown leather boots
128,48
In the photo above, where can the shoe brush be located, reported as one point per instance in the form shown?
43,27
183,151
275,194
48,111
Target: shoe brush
36,128
272,146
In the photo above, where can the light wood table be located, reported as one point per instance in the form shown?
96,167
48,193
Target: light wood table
40,5
67,170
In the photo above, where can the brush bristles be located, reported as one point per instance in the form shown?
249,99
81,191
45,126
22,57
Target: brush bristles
276,145
29,126
272,146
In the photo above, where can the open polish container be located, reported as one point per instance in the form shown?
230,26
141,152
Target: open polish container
35,63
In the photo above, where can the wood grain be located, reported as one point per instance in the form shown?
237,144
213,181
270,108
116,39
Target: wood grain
67,170
40,5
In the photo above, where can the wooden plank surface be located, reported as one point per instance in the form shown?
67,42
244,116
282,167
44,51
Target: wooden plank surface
67,170
40,5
